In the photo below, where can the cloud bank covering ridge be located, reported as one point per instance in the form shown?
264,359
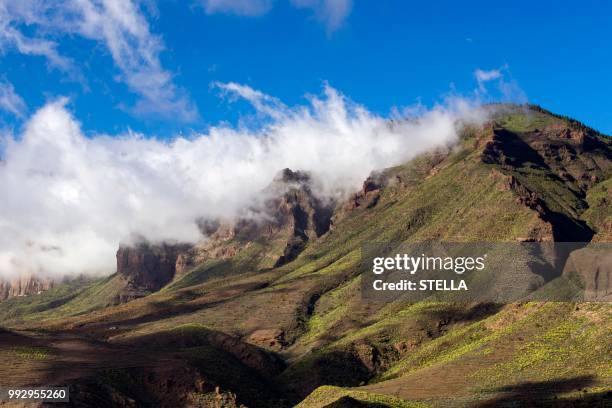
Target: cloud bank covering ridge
70,199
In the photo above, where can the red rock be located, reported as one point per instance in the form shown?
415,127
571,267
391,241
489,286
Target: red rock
24,285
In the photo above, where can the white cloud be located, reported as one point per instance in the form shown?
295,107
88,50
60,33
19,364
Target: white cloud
484,76
10,101
509,90
68,200
332,13
10,37
264,104
117,24
238,7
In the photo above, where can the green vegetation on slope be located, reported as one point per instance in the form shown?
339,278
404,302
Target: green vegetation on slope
310,311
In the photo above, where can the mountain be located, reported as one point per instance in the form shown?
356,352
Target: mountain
144,268
25,285
274,234
269,311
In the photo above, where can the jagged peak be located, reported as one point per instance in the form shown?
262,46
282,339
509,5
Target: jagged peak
290,176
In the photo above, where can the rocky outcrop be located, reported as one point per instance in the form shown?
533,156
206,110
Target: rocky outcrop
282,223
272,339
300,213
25,285
296,207
146,268
369,194
592,267
540,162
367,197
573,154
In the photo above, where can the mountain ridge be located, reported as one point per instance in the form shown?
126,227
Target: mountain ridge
521,177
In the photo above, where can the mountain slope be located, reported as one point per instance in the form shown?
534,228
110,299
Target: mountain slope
282,311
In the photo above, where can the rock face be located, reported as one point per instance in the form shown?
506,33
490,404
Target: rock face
282,224
25,285
364,199
295,208
369,194
572,154
567,157
593,266
146,268
299,213
272,339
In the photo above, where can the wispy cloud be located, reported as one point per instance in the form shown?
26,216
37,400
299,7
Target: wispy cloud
125,31
239,7
483,76
331,13
263,103
10,101
11,37
508,89
120,26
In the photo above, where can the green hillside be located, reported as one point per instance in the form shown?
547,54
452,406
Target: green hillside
301,333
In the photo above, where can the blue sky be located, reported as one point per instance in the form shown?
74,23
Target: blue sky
150,66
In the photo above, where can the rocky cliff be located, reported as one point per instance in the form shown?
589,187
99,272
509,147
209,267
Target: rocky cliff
551,168
146,268
25,285
280,226
276,229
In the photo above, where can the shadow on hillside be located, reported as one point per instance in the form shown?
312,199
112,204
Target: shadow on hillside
546,394
161,370
349,402
169,308
10,339
456,314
